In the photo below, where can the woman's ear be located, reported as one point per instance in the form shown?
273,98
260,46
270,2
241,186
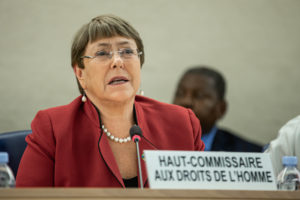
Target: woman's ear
79,73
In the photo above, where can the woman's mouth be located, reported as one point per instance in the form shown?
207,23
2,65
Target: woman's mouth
118,80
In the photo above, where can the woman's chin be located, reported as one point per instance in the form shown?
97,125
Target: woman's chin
122,96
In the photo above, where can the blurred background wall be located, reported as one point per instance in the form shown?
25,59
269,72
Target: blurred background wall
255,43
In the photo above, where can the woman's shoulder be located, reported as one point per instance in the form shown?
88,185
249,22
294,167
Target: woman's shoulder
147,103
153,107
58,118
63,109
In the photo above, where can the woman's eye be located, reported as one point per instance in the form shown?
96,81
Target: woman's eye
127,51
102,53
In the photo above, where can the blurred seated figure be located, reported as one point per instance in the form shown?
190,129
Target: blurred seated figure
203,89
287,143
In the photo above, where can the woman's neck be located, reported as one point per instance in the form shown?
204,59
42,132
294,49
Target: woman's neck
117,117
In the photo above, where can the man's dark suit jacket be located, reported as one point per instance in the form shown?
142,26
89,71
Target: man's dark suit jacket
226,141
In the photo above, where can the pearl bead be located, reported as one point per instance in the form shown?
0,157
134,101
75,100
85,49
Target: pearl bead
113,138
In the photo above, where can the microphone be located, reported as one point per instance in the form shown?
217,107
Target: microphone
135,134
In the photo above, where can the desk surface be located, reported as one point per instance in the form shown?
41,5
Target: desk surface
148,194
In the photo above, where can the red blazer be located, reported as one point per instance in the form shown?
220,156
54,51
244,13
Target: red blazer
63,148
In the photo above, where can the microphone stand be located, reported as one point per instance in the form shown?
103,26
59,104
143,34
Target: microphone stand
136,140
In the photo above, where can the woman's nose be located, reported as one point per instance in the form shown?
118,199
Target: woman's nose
117,61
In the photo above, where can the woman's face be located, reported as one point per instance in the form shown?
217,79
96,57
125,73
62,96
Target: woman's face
110,77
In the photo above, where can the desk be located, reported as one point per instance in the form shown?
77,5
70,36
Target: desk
148,194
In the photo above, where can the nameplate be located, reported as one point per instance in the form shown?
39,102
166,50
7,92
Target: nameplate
209,170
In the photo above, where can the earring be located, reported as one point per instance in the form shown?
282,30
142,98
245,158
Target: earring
141,92
83,98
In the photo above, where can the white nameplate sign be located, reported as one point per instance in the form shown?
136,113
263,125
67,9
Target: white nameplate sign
209,170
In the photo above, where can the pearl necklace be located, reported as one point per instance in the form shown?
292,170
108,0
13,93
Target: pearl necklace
114,138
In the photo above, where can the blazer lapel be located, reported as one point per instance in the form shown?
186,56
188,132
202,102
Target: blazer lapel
104,146
109,159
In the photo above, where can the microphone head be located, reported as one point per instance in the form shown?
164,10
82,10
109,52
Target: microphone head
135,130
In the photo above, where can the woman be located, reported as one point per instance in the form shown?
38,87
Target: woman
87,142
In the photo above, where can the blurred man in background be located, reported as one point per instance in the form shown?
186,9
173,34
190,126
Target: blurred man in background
203,89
